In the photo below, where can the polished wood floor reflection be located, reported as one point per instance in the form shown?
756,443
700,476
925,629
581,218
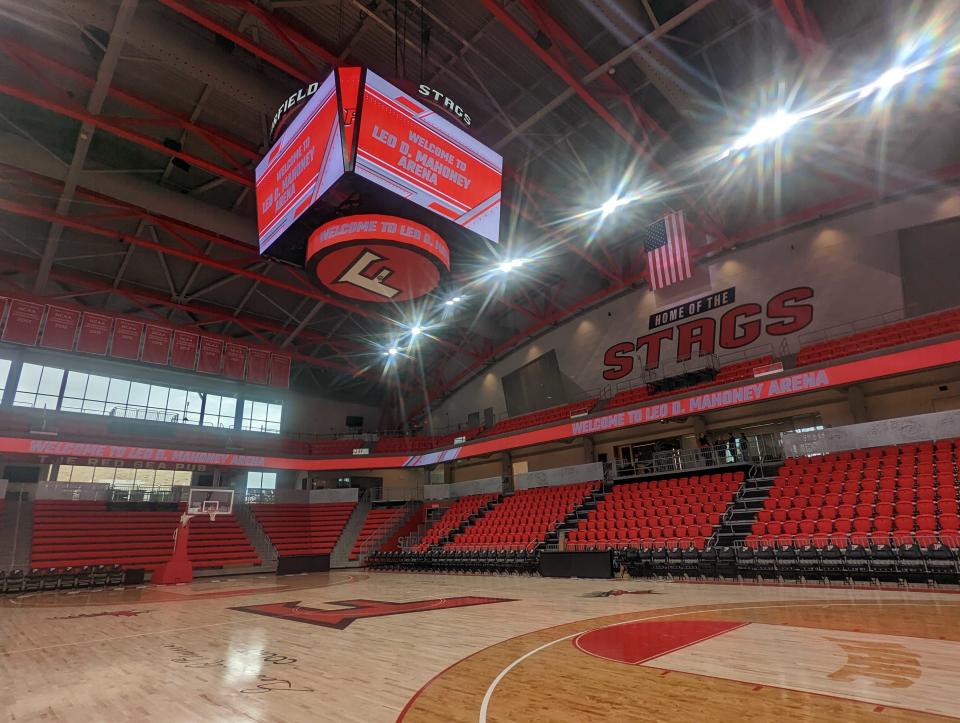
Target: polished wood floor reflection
382,646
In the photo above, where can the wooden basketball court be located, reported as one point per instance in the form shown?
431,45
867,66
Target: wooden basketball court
360,646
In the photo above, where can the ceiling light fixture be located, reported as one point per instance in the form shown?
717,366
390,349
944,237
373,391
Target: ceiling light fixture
767,129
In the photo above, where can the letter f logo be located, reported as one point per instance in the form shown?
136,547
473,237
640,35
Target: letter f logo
356,275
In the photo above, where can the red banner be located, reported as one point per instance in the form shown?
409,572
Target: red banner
279,371
60,328
126,339
234,361
258,366
23,322
185,349
156,344
94,333
211,354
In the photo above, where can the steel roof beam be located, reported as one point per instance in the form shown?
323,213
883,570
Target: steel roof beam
108,64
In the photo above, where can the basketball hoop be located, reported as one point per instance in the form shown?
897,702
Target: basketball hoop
211,508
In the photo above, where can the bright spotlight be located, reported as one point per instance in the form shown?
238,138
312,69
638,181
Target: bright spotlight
415,331
885,83
453,300
767,129
510,264
611,205
393,351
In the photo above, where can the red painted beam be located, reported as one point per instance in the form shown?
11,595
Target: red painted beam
70,222
99,122
239,40
801,27
560,70
217,137
289,35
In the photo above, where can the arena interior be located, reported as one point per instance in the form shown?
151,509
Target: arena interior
479,360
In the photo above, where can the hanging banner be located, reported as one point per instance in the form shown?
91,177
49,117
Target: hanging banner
234,361
211,354
60,328
279,371
126,339
258,366
184,350
94,333
156,345
23,322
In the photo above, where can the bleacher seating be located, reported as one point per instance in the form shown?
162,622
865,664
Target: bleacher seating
727,374
303,529
523,520
453,517
673,512
544,416
882,337
377,518
878,496
405,445
70,533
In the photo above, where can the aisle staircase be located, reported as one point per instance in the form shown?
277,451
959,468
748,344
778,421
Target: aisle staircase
258,538
742,512
340,556
16,530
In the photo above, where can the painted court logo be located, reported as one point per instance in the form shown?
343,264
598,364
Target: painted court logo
358,609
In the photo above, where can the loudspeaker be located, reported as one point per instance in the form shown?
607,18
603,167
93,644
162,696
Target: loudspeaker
354,422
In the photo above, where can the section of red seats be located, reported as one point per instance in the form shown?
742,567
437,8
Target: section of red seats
453,517
872,496
71,533
903,332
680,511
544,416
523,519
303,529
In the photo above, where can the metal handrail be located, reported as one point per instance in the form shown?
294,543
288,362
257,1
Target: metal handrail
760,449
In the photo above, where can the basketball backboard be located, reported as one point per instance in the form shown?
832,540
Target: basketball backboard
209,501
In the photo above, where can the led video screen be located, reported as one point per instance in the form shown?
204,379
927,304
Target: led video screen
360,140
301,166
410,149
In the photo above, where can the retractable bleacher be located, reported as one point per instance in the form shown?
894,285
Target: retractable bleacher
78,533
453,517
378,518
303,529
523,519
674,512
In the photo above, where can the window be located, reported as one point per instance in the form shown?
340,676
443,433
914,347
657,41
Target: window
124,477
262,480
85,393
39,387
4,373
261,417
219,411
814,428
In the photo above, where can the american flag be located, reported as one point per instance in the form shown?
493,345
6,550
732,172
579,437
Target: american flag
665,243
